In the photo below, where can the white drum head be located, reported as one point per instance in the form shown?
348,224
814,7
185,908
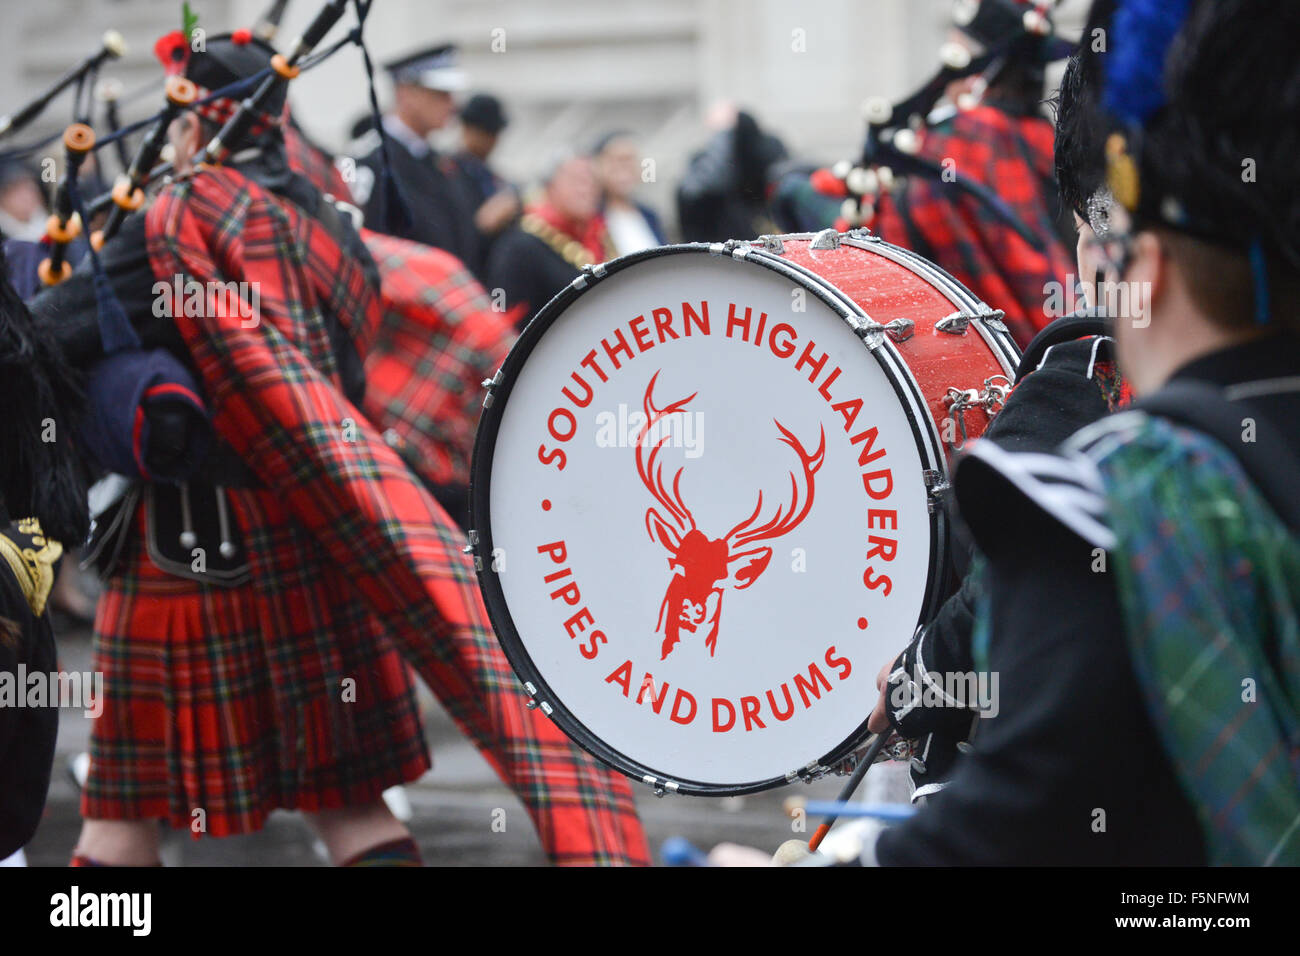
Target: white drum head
586,567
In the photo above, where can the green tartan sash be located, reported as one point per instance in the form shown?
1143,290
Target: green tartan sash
1209,580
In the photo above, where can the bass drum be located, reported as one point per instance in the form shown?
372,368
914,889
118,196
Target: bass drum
706,494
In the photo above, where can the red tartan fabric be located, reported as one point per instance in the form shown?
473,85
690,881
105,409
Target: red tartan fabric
274,398
437,340
231,701
1012,156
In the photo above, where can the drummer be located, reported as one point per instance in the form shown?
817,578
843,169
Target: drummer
1099,609
1067,379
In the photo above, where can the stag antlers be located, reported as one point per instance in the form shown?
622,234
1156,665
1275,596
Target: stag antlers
743,534
651,472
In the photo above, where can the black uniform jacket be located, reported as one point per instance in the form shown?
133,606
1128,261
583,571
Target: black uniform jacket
440,207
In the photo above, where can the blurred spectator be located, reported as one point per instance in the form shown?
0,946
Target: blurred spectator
558,234
439,210
632,226
22,202
496,201
724,193
993,133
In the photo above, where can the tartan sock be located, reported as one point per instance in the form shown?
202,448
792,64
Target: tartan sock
403,852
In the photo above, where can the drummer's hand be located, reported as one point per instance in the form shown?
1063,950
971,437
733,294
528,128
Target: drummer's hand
733,854
878,722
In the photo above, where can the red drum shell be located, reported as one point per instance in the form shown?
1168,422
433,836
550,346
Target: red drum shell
890,283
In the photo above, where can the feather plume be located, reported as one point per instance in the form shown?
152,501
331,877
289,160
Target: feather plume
1141,34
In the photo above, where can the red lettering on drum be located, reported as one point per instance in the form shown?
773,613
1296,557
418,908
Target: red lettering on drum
815,677
641,334
749,708
718,727
883,515
589,362
734,321
547,456
681,696
789,703
844,407
622,346
805,358
557,551
700,318
570,594
729,714
656,700
576,624
837,663
622,676
786,348
663,324
590,650
877,581
886,548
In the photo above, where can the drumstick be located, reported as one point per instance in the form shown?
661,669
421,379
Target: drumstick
867,760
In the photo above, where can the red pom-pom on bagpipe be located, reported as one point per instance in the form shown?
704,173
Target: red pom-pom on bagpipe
241,37
828,184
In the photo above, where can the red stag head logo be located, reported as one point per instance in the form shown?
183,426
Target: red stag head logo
704,567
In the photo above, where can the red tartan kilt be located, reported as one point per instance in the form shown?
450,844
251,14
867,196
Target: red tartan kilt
232,700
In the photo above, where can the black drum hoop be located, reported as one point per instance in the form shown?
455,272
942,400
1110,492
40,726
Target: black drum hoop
907,390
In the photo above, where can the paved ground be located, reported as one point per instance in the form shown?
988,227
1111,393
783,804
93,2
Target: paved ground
452,809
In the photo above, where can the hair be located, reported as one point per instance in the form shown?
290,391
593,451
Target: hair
603,141
38,476
556,159
1080,139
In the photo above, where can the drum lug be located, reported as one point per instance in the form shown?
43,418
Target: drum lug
737,248
472,548
659,787
955,324
812,771
863,234
873,333
826,239
772,244
589,274
490,384
936,486
900,330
